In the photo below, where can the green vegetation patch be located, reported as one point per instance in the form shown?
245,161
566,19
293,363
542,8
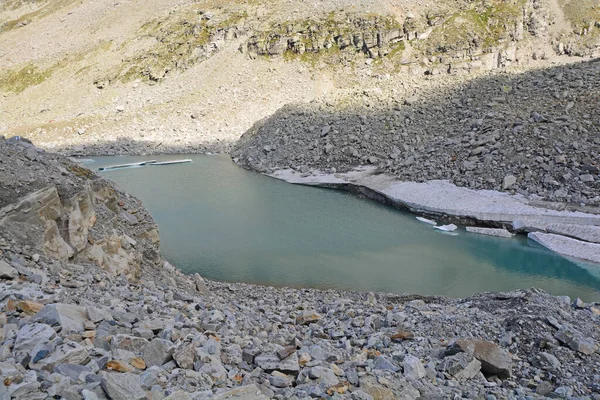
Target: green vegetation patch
584,15
327,39
48,8
17,81
482,26
180,39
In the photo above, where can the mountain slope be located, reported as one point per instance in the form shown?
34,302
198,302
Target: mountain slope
141,76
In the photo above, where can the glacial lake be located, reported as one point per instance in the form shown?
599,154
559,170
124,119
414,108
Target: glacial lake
230,224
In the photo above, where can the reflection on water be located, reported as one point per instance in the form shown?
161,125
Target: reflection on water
234,225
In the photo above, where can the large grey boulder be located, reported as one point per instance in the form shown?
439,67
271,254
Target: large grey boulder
32,336
157,352
271,362
576,341
7,271
70,317
127,342
461,366
185,355
494,360
69,352
122,386
413,367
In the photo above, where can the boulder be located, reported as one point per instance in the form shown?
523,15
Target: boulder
270,362
185,356
382,362
308,316
126,386
576,341
494,360
280,380
461,366
32,336
413,367
70,317
157,352
69,352
546,361
129,343
7,271
324,376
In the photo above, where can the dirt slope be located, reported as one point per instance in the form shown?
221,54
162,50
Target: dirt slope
140,76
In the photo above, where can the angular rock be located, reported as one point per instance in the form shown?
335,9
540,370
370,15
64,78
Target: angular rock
246,392
157,352
270,362
382,362
120,386
96,315
156,324
129,343
546,361
178,395
576,341
508,181
6,271
308,316
21,386
280,380
462,366
494,360
70,317
69,352
73,371
29,307
413,367
324,376
185,356
32,336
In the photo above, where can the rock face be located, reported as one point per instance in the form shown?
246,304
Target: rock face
76,330
476,36
74,218
373,35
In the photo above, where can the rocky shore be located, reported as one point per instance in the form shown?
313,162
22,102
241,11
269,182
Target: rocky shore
532,133
90,310
572,233
516,151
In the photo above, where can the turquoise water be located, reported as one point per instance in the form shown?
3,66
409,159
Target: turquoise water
230,224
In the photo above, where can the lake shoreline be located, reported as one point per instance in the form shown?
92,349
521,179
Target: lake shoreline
570,232
586,234
573,233
564,226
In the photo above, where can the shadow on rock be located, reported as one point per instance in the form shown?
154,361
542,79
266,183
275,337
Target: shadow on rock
534,133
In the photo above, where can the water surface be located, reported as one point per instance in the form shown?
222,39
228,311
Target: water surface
230,224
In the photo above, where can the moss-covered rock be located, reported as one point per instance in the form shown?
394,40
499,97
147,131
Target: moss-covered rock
183,39
367,33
